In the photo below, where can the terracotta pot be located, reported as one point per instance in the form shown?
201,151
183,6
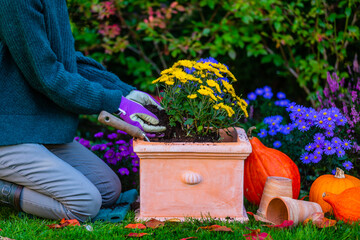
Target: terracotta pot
274,187
280,209
182,179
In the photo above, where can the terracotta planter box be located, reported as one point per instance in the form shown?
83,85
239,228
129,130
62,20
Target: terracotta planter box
179,180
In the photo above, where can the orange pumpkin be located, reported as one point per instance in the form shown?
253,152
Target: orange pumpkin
264,162
333,184
346,205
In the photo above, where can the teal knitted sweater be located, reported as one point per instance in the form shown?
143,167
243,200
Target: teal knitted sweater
44,83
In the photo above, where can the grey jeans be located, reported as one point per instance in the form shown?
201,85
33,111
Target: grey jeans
60,181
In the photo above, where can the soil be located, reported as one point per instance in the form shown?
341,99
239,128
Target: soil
176,134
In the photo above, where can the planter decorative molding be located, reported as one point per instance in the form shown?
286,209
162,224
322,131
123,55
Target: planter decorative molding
181,179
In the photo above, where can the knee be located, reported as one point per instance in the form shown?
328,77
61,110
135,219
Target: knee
111,191
87,205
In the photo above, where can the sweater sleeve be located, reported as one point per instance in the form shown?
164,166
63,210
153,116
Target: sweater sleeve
94,71
22,28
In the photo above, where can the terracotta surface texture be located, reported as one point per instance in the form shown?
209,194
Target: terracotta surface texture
179,180
285,208
274,187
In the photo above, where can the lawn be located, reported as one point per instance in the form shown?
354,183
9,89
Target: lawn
25,227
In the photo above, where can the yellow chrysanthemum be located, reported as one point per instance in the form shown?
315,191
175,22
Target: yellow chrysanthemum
169,83
212,83
192,96
229,88
184,63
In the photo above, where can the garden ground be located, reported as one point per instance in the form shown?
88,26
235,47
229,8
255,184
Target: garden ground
14,227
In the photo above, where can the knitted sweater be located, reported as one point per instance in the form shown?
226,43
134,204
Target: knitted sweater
44,83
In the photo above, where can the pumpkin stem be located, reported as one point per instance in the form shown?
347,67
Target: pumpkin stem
339,173
249,132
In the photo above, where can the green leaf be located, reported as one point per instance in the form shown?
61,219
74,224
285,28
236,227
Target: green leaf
232,54
348,12
200,128
189,121
277,26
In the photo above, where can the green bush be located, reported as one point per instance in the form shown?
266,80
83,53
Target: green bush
300,40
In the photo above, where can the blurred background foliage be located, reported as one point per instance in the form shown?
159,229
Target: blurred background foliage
289,45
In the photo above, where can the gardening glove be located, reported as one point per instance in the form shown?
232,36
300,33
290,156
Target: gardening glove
132,111
121,207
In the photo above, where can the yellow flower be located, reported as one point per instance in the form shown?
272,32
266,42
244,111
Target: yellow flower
184,63
227,108
212,83
169,82
192,96
229,88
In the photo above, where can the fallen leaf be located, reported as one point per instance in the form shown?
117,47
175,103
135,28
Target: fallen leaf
70,222
188,238
258,218
135,225
256,235
221,229
285,224
154,223
64,223
5,238
209,227
216,228
173,220
319,220
136,234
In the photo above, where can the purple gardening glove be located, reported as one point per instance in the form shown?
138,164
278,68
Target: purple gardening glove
132,111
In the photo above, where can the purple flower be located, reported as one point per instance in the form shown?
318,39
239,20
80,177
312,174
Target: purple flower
346,144
262,133
341,121
133,154
109,144
329,133
309,147
272,132
118,156
287,129
277,144
268,95
120,142
305,158
318,151
109,154
348,165
329,149
320,123
123,149
112,136
267,89
95,147
135,162
77,138
85,143
340,152
336,141
280,95
103,147
303,127
121,132
315,158
99,135
134,169
333,172
251,96
112,161
291,106
259,91
123,171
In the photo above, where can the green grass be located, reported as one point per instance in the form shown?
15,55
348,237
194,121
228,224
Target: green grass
25,227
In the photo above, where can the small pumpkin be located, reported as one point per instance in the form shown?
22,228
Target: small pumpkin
264,162
346,205
333,184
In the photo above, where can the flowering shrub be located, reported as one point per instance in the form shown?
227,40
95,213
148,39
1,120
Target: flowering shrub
344,94
199,96
116,150
317,141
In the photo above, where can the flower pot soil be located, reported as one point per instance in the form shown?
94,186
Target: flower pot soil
176,133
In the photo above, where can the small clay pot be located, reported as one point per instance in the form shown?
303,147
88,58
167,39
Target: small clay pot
274,187
280,209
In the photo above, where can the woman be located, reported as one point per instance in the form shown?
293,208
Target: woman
44,85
